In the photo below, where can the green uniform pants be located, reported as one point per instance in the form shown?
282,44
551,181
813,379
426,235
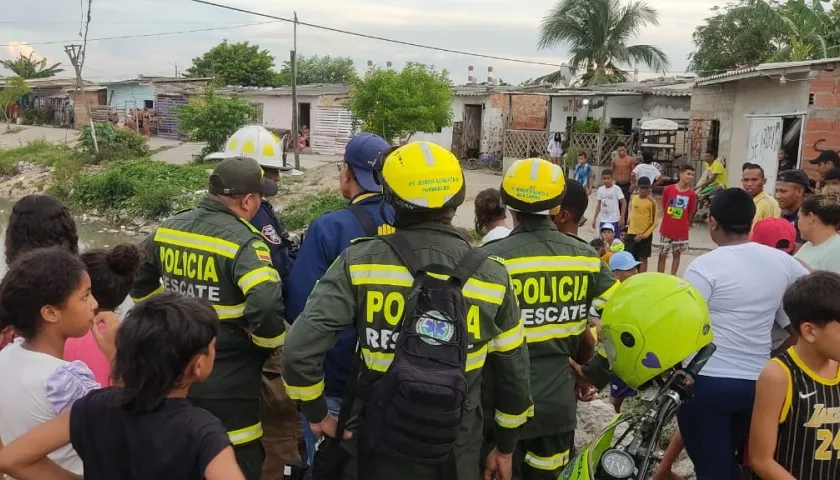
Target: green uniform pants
543,458
241,419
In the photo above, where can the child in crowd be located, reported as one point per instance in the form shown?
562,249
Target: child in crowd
145,428
37,221
795,426
608,236
490,216
612,205
583,173
602,249
45,296
679,202
646,169
112,273
623,266
643,221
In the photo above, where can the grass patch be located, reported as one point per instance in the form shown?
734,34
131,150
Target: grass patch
11,129
39,152
139,188
300,212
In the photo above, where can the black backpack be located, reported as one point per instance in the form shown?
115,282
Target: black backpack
413,412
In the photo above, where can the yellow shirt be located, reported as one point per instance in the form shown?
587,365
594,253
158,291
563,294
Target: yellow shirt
719,172
643,216
765,207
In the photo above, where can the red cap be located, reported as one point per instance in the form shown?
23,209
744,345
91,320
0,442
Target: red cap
775,232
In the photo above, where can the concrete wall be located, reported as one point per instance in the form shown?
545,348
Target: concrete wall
672,108
277,110
444,137
562,109
822,125
716,102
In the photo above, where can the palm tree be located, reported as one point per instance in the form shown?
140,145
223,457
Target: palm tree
28,67
596,33
805,31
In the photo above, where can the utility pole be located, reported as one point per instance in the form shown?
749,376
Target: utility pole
176,69
74,52
602,129
295,126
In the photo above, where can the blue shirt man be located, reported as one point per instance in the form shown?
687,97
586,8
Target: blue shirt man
324,241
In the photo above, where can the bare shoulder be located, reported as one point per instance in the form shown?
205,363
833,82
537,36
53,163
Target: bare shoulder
774,375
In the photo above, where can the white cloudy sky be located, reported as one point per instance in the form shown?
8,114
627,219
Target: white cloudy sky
494,27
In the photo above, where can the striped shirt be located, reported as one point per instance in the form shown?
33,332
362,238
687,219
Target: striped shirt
808,445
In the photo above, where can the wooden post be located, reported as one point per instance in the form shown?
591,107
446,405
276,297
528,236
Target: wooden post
602,129
295,125
74,52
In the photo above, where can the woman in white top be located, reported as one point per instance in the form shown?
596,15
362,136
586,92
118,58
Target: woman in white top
45,297
819,217
555,149
490,216
743,283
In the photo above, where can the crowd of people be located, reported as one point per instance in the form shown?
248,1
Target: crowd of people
388,345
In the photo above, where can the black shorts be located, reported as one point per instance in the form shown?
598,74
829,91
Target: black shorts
639,250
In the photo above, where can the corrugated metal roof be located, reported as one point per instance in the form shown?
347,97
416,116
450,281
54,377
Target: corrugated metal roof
53,82
761,69
311,90
154,79
670,87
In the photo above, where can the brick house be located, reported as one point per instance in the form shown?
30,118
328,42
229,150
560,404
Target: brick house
747,115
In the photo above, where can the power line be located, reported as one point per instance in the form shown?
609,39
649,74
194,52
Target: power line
144,35
382,39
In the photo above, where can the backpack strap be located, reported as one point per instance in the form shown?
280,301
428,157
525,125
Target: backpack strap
364,218
404,251
469,264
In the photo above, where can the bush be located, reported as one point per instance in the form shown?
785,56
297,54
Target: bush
39,152
140,188
299,213
114,143
594,126
213,119
28,116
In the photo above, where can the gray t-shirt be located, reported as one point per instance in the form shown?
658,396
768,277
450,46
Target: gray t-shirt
825,256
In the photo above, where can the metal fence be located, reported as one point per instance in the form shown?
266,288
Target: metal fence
589,142
526,143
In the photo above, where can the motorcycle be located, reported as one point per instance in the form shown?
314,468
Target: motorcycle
631,455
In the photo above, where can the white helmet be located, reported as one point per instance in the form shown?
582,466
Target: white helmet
255,141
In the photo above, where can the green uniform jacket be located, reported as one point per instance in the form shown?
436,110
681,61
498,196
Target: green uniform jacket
208,252
557,278
367,286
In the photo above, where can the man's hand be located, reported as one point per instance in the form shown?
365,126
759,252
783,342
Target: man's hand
639,238
593,223
328,427
584,390
621,224
589,191
499,466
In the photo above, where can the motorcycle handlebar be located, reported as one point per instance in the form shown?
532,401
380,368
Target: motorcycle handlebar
700,359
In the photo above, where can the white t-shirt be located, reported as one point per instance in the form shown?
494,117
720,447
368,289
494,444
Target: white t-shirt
609,198
555,149
647,170
825,256
23,398
743,286
495,234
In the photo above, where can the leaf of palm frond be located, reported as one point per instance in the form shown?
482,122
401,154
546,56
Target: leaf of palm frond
649,55
553,78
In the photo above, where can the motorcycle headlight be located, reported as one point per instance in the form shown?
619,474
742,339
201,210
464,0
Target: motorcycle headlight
618,464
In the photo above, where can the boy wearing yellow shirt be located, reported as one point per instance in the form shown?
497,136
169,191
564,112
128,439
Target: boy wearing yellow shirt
714,176
643,222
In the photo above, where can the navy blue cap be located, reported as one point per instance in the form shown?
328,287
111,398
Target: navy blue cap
361,154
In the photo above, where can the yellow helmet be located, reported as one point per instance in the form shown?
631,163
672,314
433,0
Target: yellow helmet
533,185
421,176
651,323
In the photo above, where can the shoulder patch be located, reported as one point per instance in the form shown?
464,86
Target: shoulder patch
261,246
271,235
497,259
262,251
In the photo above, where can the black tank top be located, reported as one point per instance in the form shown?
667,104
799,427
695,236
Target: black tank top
809,437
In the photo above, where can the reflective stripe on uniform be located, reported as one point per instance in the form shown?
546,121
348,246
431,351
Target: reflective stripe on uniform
196,241
246,435
509,340
153,292
553,263
399,276
555,331
506,420
256,277
599,301
227,312
304,394
380,361
547,463
273,342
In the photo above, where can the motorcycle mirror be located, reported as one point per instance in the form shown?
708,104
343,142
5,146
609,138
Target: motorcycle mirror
700,359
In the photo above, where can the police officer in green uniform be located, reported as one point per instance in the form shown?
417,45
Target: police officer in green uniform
367,287
556,278
212,252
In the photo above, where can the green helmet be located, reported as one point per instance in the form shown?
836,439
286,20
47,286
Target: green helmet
653,322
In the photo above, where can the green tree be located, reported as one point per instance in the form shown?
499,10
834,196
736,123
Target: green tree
28,67
14,88
317,69
807,31
729,39
236,64
395,104
597,33
213,118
